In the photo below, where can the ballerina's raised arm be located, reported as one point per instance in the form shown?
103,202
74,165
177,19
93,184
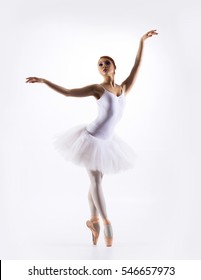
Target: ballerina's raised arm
129,82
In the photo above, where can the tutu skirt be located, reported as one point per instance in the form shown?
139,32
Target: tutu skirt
107,156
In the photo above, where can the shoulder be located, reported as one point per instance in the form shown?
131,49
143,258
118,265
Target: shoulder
124,89
98,90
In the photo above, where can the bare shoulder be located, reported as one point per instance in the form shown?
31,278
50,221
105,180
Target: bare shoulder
124,89
98,90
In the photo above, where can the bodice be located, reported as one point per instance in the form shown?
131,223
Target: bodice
110,110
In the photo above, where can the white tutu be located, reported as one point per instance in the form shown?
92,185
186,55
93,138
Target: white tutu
108,156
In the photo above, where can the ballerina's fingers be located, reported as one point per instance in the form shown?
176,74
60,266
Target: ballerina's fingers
151,33
32,80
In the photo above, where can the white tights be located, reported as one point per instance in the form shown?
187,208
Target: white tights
95,196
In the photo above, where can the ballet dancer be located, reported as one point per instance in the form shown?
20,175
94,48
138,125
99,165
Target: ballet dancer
95,146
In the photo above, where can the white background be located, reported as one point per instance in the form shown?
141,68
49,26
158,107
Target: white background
155,208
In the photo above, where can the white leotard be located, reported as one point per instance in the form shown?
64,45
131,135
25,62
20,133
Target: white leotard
110,110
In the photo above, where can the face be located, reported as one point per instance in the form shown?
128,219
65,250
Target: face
106,66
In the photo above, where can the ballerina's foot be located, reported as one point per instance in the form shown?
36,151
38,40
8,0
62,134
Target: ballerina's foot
94,226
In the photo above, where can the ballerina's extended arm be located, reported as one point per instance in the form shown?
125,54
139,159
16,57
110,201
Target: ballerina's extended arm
128,83
90,90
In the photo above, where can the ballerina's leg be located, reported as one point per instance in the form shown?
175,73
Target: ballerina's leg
96,192
97,203
93,209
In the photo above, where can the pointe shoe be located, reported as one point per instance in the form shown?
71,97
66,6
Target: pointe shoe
95,230
108,234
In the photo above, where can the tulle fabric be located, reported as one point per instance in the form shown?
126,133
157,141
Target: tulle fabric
108,156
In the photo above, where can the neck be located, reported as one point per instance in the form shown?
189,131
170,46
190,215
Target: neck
109,81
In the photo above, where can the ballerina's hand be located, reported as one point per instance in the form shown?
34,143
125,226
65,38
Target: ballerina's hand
149,34
34,80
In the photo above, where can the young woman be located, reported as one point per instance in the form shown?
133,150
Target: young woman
95,146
